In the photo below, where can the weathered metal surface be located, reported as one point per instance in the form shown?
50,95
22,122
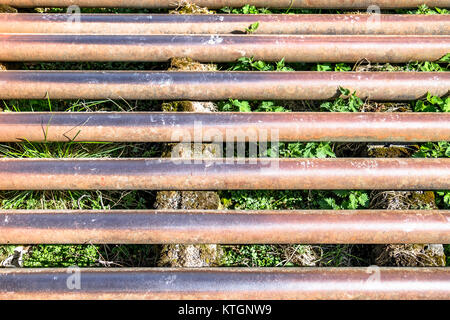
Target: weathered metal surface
224,174
225,24
210,127
230,283
222,48
225,227
215,4
220,85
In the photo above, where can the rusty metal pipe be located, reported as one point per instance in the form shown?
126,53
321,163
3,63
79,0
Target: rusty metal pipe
225,174
210,127
225,24
222,48
227,283
215,4
225,227
220,85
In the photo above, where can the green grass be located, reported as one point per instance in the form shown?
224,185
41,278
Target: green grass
88,254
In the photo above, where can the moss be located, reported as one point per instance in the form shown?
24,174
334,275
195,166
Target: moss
303,255
175,106
188,256
200,200
187,64
168,200
392,151
425,200
187,200
410,255
188,106
178,255
7,9
403,200
187,7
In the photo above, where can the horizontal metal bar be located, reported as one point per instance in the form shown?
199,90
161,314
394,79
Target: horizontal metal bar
220,85
214,127
224,174
228,283
225,227
224,24
222,48
215,4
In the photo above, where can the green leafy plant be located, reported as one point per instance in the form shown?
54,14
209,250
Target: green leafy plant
333,67
48,256
247,9
436,150
306,150
347,102
445,58
252,28
424,9
249,64
247,106
426,66
432,104
349,200
433,150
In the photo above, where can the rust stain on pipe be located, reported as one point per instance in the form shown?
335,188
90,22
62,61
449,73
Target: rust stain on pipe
224,24
215,4
225,227
210,127
222,48
225,174
220,85
229,283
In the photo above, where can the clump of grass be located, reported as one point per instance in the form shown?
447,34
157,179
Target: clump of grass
81,255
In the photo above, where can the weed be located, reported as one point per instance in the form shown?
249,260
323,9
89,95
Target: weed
347,102
333,67
252,28
249,64
432,104
424,9
48,256
247,9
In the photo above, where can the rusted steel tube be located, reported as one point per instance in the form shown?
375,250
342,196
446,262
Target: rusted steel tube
213,127
228,283
214,4
225,227
225,24
220,85
222,48
224,174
